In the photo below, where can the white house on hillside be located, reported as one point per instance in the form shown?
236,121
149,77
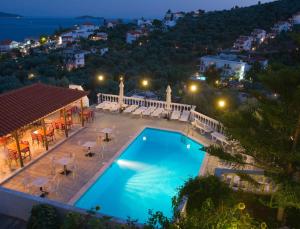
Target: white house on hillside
132,36
88,27
282,26
74,59
144,23
243,43
7,45
259,35
230,65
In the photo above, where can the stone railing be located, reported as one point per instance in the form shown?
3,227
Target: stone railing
144,102
214,124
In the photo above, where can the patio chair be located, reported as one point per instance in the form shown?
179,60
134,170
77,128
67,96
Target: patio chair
26,183
139,111
184,116
158,112
53,185
40,138
50,136
130,108
13,156
175,115
148,111
34,138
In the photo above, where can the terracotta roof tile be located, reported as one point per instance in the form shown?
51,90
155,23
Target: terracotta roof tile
31,103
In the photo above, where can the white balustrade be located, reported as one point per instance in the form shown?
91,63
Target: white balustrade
214,124
143,102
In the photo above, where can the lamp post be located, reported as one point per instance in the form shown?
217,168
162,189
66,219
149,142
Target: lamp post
145,84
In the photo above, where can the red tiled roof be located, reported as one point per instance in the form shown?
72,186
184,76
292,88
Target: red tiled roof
31,103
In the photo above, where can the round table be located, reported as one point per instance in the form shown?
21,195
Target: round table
64,161
40,182
106,131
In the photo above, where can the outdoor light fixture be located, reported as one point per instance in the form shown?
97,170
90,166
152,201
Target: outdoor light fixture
101,78
221,103
145,83
193,88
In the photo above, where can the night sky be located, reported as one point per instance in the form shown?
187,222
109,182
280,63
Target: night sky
113,8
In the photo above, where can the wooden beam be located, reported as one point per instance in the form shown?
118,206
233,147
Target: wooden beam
15,134
45,134
65,121
81,114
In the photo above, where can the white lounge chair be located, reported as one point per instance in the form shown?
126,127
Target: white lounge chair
109,105
158,112
185,116
175,115
202,127
131,108
149,111
139,111
115,107
101,105
215,136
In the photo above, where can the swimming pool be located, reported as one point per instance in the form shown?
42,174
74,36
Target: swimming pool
145,176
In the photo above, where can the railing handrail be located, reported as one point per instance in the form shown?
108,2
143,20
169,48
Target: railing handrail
214,124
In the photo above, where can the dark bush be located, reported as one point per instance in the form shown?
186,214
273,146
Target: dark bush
43,216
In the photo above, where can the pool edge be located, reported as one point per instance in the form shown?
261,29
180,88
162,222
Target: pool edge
84,188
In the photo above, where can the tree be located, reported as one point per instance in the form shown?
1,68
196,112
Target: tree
269,131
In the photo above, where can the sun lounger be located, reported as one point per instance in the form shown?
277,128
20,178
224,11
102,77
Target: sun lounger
101,105
109,105
184,116
115,107
202,127
149,111
131,108
219,137
139,111
175,115
158,112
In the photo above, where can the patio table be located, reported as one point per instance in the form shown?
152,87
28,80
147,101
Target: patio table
106,131
64,161
89,144
40,182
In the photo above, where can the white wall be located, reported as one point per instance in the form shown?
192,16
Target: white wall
86,102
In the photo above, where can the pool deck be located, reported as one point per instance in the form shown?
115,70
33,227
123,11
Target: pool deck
125,128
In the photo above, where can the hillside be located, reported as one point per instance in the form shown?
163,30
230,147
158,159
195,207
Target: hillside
8,15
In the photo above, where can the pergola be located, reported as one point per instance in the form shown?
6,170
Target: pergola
33,103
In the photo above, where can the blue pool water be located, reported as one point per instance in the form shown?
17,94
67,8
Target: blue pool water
145,176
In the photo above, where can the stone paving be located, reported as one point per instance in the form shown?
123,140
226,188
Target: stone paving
125,128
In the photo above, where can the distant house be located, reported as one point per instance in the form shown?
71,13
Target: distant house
66,38
243,43
296,19
230,65
282,26
143,23
99,36
7,45
133,35
259,35
87,26
170,19
111,23
74,59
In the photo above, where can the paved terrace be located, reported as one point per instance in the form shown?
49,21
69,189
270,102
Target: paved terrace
125,126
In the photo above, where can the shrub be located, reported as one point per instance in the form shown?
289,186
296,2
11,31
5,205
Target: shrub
43,216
